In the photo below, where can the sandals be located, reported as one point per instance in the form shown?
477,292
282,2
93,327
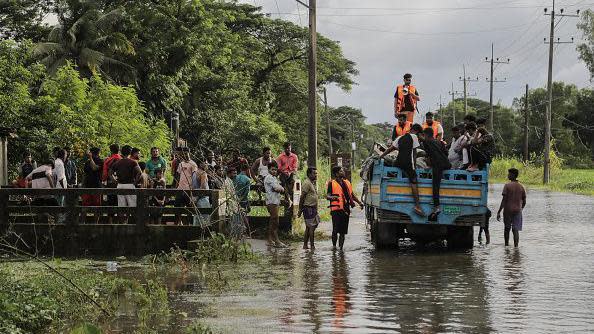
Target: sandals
419,212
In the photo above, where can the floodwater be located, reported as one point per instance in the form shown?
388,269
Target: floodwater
544,286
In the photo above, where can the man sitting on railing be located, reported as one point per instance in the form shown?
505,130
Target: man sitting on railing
42,178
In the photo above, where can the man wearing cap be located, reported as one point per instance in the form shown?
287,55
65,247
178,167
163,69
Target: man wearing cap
402,127
406,98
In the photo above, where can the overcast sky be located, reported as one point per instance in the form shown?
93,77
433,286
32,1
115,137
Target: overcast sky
432,39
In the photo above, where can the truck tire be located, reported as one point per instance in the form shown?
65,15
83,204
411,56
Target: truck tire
460,237
385,236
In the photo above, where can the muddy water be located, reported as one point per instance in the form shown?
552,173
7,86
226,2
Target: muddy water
547,285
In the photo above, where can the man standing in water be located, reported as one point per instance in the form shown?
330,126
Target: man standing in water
308,206
273,196
342,199
512,203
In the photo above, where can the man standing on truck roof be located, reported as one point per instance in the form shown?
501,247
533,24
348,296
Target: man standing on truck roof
342,199
434,125
407,155
402,127
406,98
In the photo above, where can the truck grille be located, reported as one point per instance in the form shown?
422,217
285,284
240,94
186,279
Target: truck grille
393,217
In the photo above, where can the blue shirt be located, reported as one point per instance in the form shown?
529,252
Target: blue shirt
242,185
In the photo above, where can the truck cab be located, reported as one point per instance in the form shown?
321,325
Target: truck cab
389,206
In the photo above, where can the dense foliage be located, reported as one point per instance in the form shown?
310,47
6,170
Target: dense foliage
68,110
235,77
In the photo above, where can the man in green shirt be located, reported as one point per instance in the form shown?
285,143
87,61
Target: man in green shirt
155,162
242,184
308,207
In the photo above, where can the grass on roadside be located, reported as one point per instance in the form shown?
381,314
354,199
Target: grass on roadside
580,181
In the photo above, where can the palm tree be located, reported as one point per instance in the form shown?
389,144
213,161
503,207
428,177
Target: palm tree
88,37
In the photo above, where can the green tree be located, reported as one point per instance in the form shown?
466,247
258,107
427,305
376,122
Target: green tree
23,19
90,38
586,49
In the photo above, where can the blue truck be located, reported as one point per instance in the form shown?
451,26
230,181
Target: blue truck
389,206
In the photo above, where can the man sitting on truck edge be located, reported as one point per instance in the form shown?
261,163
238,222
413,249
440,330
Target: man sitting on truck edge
438,160
407,155
512,204
405,98
342,199
402,127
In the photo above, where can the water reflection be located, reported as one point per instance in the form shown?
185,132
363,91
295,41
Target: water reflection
311,294
340,290
513,273
427,292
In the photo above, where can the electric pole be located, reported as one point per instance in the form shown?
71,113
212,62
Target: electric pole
491,80
453,93
549,109
312,131
328,118
526,125
466,80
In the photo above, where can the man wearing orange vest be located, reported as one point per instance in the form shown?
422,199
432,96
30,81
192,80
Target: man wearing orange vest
406,98
435,125
402,127
342,199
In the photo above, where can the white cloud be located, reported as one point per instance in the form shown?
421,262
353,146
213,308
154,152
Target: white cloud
432,39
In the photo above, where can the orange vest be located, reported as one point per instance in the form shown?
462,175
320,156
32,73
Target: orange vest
400,97
434,126
338,204
399,131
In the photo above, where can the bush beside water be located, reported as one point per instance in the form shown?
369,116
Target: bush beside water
579,181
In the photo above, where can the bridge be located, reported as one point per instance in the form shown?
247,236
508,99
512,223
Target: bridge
71,229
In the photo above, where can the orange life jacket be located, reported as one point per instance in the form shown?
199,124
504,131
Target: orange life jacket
399,131
400,98
434,126
338,204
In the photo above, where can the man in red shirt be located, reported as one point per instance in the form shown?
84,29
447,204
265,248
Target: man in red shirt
112,200
287,166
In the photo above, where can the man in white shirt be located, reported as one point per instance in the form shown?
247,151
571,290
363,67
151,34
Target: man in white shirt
455,153
185,169
59,170
43,178
273,196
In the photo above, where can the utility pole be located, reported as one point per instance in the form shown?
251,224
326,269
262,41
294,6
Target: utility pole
312,144
493,61
353,146
466,80
549,109
328,118
453,93
312,131
526,125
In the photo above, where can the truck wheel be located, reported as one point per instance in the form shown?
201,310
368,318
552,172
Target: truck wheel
385,236
460,237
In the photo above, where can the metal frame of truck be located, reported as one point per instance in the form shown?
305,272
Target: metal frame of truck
389,206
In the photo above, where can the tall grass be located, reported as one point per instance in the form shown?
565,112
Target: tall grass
579,181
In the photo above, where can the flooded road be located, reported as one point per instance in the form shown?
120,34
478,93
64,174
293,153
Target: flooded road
547,285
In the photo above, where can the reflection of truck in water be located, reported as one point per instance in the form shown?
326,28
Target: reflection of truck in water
389,205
